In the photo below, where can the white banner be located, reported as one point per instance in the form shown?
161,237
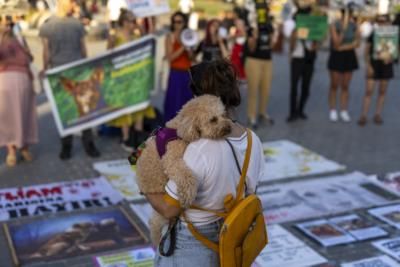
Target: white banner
285,250
318,197
147,8
285,159
389,246
121,176
380,261
56,197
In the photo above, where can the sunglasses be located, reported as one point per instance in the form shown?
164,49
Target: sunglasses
178,22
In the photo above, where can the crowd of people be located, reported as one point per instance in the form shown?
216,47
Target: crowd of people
248,46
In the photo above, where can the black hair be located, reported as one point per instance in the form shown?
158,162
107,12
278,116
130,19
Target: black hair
183,16
123,15
217,78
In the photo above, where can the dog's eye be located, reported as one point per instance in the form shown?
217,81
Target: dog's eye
214,120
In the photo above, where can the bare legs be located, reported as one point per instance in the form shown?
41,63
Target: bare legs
11,159
383,84
341,80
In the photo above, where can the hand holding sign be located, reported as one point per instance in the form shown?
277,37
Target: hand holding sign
302,33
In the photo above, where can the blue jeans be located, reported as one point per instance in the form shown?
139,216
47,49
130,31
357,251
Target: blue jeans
189,251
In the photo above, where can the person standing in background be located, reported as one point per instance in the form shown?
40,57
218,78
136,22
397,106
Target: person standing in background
18,119
63,39
213,46
239,40
380,71
127,31
302,58
179,57
258,66
345,38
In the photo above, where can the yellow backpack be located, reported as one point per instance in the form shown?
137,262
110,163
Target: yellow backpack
243,234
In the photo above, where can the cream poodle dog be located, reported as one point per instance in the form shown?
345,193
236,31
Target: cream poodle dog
202,117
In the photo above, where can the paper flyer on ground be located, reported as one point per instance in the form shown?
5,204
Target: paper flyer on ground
285,159
56,197
286,250
318,197
388,214
140,257
390,181
121,176
380,261
386,43
92,91
143,211
360,228
326,233
389,246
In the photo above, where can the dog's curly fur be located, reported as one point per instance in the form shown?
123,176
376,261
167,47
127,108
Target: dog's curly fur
202,117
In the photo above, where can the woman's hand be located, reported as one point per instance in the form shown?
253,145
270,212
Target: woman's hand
370,71
167,209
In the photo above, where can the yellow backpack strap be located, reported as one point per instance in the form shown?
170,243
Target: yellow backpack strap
240,188
204,240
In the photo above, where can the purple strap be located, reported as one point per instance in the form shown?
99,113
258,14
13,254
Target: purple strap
163,136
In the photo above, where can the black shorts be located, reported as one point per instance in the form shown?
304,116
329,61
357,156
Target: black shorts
342,61
381,71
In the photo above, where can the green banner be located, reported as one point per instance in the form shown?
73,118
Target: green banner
92,91
313,28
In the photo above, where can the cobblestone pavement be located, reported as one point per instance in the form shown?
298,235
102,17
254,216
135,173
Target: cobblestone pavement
372,149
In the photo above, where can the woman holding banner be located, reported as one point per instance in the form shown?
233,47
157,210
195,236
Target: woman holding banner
179,57
379,68
345,38
127,31
18,120
302,58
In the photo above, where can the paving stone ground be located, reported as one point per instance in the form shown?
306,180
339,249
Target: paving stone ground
372,149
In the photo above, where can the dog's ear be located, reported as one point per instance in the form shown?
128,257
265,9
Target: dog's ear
98,75
68,84
189,129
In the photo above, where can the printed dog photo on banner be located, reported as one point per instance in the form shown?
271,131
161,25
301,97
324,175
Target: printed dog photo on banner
92,91
72,235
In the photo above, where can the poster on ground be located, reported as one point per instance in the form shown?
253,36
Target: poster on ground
390,181
143,211
389,246
319,197
312,27
72,235
56,197
138,257
285,159
388,214
386,43
121,176
359,228
148,8
89,92
286,250
325,233
380,261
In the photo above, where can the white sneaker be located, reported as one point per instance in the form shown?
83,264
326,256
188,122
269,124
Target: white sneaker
333,116
344,115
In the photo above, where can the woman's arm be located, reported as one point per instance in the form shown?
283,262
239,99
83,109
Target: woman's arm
111,41
223,47
171,56
335,36
165,205
252,41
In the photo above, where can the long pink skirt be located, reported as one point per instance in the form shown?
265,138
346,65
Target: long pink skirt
18,119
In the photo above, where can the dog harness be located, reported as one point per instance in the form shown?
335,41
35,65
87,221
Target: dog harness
163,137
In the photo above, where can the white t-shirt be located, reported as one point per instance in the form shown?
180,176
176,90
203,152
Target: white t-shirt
213,164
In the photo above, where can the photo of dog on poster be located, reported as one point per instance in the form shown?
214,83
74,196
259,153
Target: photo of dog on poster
73,235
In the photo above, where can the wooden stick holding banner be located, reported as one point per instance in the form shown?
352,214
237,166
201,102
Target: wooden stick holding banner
89,92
